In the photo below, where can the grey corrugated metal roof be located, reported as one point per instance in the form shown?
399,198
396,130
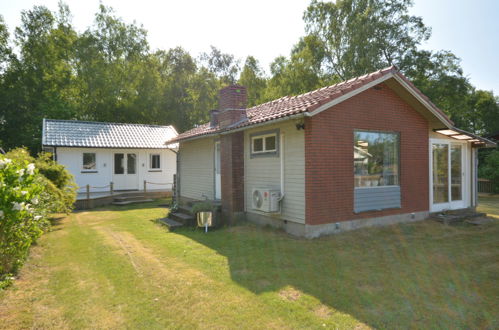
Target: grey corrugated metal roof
75,133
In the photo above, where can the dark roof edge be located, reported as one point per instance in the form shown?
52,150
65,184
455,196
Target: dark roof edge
237,129
489,143
93,147
383,75
104,123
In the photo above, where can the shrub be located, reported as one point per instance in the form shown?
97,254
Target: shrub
490,169
58,182
24,206
202,207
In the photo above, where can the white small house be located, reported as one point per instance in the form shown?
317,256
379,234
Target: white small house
98,153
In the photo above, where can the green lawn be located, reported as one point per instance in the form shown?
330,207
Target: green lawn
116,267
490,205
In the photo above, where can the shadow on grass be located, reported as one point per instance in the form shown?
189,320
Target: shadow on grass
412,275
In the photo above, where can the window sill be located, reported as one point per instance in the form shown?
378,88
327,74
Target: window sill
155,170
264,154
371,187
378,210
89,171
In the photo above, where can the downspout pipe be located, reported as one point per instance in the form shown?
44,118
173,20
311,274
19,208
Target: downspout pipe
281,158
177,186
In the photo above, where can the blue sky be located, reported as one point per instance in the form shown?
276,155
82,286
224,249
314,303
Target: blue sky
269,28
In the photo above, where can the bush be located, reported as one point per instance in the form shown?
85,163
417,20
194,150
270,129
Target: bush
24,206
490,169
202,207
58,182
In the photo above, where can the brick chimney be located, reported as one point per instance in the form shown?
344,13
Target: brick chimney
231,105
214,118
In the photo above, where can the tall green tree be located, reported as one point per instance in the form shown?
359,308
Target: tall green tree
252,76
5,49
304,71
179,73
439,76
224,66
39,82
483,112
361,36
111,59
5,54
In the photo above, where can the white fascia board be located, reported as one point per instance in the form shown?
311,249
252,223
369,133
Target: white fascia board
348,95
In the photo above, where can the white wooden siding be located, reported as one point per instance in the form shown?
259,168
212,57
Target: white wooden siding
264,172
196,170
72,159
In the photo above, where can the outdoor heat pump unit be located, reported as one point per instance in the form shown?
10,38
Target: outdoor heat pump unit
266,200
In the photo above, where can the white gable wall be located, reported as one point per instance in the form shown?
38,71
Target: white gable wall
72,159
196,169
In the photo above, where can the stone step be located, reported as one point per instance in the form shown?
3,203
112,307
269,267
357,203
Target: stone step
170,223
126,202
186,219
124,198
456,217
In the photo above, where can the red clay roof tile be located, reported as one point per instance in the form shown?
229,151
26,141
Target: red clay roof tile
287,106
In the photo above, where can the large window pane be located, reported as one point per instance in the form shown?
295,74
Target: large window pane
155,161
376,159
440,165
131,163
119,166
258,145
456,172
270,143
89,161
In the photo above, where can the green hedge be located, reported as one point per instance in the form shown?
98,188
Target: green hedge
30,189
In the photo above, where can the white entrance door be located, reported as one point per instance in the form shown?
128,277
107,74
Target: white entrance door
218,177
448,175
125,171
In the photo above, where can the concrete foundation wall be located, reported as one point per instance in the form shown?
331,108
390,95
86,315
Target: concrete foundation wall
314,231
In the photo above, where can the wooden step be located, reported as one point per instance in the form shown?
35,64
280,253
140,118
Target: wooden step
170,223
133,201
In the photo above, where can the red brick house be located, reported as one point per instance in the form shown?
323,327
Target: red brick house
369,151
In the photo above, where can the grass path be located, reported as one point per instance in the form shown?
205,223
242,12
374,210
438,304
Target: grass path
117,268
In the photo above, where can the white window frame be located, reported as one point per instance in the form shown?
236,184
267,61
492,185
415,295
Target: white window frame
91,170
465,179
151,162
264,144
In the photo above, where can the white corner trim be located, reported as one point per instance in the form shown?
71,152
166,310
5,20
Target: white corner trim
43,132
423,101
348,95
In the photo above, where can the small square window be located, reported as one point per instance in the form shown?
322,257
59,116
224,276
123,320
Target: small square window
265,143
155,162
89,161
